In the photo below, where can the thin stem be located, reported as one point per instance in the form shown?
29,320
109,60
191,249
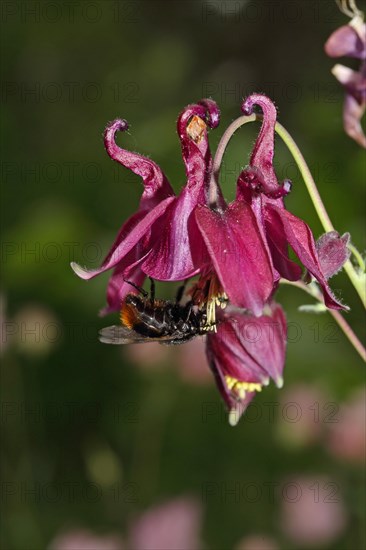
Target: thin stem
349,333
356,280
307,177
352,10
357,256
213,194
342,323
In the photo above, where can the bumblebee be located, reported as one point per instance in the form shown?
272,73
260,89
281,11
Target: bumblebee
145,319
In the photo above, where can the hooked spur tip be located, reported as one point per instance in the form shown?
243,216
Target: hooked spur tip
212,112
118,125
247,107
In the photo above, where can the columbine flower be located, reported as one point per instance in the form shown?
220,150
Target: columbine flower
248,239
245,353
350,41
258,186
161,239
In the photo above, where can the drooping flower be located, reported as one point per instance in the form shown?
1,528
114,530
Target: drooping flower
258,186
248,240
161,239
350,41
245,353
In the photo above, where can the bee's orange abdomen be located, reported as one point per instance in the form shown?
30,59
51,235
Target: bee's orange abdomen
128,315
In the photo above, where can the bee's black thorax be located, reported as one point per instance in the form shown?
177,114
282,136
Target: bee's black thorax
161,318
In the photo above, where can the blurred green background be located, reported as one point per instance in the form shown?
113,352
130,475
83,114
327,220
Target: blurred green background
94,436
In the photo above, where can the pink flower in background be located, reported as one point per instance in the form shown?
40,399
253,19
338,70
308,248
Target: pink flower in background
350,41
257,542
191,361
174,525
300,421
149,355
83,539
312,511
346,437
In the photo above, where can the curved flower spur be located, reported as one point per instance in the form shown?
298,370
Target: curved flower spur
239,250
161,239
255,231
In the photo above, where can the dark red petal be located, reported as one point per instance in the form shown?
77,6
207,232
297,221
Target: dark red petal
238,254
178,250
300,238
126,244
278,245
264,340
238,406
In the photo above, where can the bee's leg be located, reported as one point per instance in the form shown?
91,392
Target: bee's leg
152,290
139,288
189,307
180,291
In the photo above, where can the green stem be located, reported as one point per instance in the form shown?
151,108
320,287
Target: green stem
358,257
356,280
342,323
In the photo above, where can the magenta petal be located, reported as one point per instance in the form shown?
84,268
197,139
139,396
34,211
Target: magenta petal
300,238
178,248
278,245
347,41
354,82
332,252
247,349
234,405
264,340
353,112
156,185
126,245
238,254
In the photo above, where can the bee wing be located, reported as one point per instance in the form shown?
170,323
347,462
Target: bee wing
119,335
123,335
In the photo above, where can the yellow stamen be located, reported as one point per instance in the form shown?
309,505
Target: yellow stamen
240,388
